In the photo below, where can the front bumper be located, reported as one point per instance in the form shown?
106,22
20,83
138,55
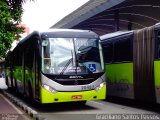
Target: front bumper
48,97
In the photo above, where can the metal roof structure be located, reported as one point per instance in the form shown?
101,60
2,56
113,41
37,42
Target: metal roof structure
106,16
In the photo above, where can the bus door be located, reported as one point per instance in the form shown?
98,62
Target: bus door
35,76
22,86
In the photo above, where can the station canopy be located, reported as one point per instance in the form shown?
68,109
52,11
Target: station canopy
107,16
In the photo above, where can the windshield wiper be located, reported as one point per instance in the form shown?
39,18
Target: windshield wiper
67,64
65,67
75,55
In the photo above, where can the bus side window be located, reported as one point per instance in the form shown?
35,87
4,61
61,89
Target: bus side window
29,52
158,45
123,50
108,52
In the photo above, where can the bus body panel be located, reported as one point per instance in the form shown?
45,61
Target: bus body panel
75,87
157,79
48,97
120,80
67,92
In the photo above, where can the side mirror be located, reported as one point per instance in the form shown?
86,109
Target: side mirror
44,42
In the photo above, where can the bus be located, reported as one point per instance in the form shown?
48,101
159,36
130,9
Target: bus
132,63
57,65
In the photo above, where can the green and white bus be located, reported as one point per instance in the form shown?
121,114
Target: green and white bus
132,63
58,65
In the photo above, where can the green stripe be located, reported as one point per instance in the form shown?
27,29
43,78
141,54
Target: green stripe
157,73
119,73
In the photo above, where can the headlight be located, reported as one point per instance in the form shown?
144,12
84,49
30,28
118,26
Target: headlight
49,88
100,86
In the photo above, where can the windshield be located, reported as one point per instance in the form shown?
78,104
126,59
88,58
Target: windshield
70,56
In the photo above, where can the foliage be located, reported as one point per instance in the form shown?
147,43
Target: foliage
10,16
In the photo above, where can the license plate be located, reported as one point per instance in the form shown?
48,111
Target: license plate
77,97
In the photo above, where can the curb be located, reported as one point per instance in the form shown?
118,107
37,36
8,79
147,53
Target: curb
32,113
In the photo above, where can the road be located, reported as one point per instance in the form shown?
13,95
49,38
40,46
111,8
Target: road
8,111
93,110
97,110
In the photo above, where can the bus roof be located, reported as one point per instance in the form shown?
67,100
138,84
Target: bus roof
61,30
69,33
157,26
55,33
115,34
63,33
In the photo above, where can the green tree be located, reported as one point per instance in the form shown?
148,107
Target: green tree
10,16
